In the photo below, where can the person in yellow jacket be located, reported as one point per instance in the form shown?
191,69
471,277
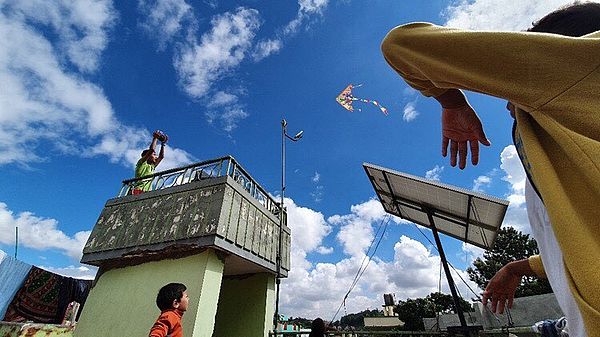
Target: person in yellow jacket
550,75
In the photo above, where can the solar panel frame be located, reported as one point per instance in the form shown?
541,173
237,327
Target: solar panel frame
468,216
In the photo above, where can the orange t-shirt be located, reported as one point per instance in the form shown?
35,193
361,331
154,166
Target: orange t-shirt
168,324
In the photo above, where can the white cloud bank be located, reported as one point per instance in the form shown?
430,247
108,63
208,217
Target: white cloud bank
45,97
39,233
499,14
516,216
317,289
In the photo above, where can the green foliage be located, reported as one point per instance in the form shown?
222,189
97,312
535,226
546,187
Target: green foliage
303,322
357,320
511,245
412,312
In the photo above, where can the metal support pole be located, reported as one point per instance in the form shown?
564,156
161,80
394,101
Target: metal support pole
16,240
280,241
451,284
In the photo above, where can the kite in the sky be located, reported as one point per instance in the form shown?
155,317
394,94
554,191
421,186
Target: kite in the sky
345,98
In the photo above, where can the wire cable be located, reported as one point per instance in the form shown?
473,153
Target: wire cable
361,270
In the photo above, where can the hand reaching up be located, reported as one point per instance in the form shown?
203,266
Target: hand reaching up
460,126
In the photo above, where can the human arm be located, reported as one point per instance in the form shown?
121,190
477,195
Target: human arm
151,149
161,155
501,288
528,69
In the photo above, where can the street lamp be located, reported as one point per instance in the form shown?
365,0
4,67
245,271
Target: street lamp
295,138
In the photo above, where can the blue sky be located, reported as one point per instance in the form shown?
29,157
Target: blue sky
85,84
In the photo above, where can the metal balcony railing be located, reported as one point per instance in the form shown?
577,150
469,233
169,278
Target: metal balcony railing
214,168
362,334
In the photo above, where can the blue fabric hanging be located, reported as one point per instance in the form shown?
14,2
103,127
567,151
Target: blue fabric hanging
12,276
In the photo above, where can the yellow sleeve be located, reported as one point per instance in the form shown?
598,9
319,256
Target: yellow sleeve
528,69
535,262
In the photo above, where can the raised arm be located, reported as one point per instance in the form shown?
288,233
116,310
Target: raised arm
517,66
161,155
151,149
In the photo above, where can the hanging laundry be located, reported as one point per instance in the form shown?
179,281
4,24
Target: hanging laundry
37,300
12,275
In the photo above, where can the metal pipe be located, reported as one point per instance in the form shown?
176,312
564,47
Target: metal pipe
280,242
451,284
16,240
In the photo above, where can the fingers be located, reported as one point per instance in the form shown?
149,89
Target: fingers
484,297
501,304
510,301
474,152
462,155
453,152
483,138
445,141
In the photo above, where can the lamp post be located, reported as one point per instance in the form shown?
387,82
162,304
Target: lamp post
279,259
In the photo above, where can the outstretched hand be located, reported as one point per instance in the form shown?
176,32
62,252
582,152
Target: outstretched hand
501,289
459,126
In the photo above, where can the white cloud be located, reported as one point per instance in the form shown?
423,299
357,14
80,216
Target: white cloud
266,47
80,272
227,118
480,182
410,112
324,250
200,64
516,215
81,27
499,14
317,193
471,252
356,232
306,10
434,173
219,51
317,289
163,19
46,100
222,98
39,233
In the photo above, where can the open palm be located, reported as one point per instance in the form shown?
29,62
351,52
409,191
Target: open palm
461,126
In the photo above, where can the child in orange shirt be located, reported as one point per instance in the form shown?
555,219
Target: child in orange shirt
172,300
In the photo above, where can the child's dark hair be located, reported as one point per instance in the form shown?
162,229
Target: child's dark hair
145,152
573,20
317,328
168,294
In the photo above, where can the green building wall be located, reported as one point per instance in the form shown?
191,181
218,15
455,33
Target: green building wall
122,303
246,306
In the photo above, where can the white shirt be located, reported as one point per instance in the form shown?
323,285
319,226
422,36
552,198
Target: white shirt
553,261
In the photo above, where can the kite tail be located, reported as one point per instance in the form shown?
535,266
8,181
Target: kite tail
382,108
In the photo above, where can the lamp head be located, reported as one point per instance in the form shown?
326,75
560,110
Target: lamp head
299,135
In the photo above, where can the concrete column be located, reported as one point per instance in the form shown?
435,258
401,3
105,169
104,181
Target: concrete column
123,301
246,306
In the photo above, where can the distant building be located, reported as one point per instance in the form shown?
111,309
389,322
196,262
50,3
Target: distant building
390,318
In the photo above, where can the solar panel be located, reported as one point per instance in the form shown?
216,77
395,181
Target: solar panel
465,215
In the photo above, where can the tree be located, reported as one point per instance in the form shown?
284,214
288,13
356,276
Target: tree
357,320
510,245
412,312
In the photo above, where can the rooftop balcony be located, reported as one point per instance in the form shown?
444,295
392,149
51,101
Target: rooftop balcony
211,204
